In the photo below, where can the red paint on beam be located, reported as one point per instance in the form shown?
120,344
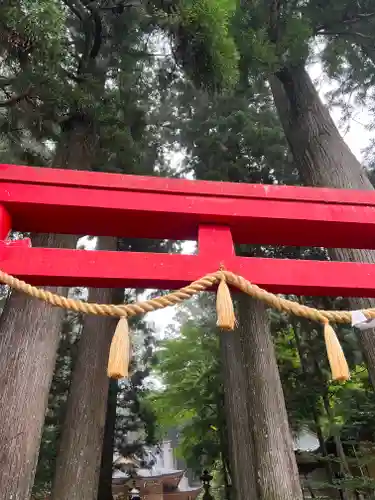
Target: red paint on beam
170,271
5,223
167,214
214,242
217,214
119,182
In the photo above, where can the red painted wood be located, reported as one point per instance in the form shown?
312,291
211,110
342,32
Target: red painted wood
215,241
119,182
217,214
169,208
170,271
23,243
5,223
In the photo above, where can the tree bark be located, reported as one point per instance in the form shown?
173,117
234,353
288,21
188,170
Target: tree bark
29,336
276,467
240,439
225,459
79,457
323,159
320,153
263,462
76,150
106,467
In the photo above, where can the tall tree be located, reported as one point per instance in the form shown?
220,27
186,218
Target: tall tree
276,471
274,37
33,353
81,441
66,77
26,377
193,386
228,140
320,153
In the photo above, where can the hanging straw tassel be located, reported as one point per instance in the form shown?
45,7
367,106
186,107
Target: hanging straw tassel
119,353
336,356
224,307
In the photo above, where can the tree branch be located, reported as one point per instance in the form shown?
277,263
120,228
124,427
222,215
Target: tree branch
344,33
97,33
15,99
358,17
121,5
76,8
93,36
5,82
274,20
344,20
72,76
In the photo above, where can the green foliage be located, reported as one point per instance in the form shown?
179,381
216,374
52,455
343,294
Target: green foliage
134,412
189,368
42,22
356,403
140,105
235,137
117,91
192,394
63,78
203,43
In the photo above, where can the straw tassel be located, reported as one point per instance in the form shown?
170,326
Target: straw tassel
224,307
119,353
336,356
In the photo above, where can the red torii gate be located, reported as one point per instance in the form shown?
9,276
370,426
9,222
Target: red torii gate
216,214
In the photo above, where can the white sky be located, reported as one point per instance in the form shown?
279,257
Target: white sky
357,137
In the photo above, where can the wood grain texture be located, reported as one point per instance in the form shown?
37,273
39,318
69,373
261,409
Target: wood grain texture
275,463
79,458
29,336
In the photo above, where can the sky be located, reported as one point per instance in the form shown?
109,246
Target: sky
357,137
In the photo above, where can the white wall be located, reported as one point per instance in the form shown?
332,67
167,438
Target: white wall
165,459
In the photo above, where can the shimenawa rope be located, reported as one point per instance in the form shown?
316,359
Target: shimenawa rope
225,311
181,295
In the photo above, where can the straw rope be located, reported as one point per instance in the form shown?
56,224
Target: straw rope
181,295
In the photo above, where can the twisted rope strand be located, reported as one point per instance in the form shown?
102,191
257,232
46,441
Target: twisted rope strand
181,295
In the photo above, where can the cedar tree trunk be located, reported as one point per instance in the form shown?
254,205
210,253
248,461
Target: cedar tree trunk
261,449
323,159
276,467
29,336
79,457
106,467
238,425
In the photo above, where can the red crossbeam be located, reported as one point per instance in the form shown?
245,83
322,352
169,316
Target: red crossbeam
111,269
118,205
51,200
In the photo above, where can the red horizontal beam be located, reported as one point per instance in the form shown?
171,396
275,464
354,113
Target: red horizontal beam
119,182
51,200
170,271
